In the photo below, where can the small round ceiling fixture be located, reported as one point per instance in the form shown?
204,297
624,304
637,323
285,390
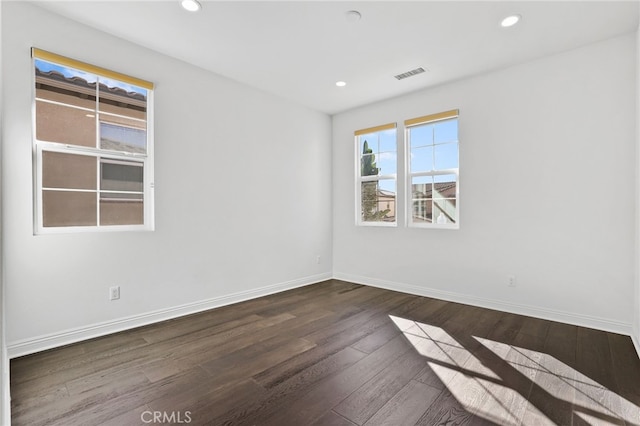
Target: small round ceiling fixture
191,5
341,83
353,16
510,21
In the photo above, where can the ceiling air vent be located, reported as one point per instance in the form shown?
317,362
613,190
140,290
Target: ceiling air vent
409,73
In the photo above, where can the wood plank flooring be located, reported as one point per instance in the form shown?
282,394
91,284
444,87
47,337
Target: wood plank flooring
336,353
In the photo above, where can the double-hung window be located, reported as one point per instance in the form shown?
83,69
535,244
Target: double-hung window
93,147
432,177
377,172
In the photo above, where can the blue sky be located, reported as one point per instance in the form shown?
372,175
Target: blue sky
434,146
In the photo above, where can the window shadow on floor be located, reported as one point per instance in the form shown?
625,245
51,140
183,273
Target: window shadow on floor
565,375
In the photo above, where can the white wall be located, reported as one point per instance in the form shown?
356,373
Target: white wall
243,197
556,132
635,336
5,399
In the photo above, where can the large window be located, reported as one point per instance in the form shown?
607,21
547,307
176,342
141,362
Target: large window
93,147
377,167
432,176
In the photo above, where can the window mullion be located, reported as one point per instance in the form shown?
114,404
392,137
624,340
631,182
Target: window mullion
98,114
98,189
48,101
435,173
110,114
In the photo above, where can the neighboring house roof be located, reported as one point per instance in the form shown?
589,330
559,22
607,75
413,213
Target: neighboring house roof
81,85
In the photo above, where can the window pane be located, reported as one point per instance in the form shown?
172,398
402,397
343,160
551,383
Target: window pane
444,186
121,98
121,175
65,123
64,80
444,194
121,209
421,159
387,163
421,135
71,98
422,186
57,123
446,131
387,141
66,208
70,171
422,209
378,201
421,203
445,210
367,143
127,138
387,185
446,156
368,165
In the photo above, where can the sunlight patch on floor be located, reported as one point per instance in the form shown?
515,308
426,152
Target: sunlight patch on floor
592,401
477,387
496,387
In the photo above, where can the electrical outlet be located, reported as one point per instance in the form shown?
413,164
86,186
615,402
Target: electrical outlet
114,293
318,259
512,281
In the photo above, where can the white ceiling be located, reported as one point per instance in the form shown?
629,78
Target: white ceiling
299,49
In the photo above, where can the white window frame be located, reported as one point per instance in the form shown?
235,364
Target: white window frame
421,121
40,146
361,179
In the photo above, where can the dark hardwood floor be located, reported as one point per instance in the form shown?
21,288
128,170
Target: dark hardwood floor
336,353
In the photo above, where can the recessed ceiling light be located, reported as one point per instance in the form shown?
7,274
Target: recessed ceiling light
510,21
191,5
341,83
353,16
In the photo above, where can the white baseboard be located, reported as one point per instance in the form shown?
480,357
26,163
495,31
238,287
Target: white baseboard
532,311
40,343
636,343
